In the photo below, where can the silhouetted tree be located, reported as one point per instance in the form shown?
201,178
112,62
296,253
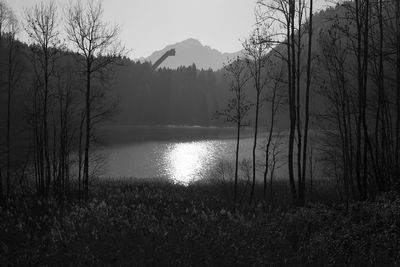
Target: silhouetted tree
97,46
4,17
361,88
397,32
238,107
336,88
14,70
41,26
288,17
256,49
275,99
302,187
282,13
275,163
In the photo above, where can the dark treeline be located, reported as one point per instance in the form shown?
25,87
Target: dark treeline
185,96
52,98
359,79
337,72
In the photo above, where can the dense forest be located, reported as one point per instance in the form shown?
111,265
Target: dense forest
185,96
327,83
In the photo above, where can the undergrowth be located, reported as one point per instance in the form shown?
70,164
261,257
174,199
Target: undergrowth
137,223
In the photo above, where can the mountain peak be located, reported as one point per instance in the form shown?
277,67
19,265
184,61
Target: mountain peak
191,51
191,41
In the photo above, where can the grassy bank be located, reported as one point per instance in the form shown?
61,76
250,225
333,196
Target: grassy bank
133,223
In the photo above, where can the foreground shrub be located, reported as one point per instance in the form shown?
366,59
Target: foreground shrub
145,223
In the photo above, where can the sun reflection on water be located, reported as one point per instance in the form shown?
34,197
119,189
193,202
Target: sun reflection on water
187,161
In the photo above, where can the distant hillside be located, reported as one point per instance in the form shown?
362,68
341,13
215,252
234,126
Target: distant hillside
184,96
192,51
191,96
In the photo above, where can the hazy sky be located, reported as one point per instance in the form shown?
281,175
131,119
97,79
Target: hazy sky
149,25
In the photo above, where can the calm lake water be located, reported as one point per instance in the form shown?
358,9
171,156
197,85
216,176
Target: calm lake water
179,153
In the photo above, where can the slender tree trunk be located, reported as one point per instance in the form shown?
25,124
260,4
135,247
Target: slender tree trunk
298,114
80,183
40,147
45,123
265,174
293,85
35,145
60,152
271,130
364,97
271,178
397,141
346,149
311,171
351,147
307,111
66,146
9,85
55,189
87,144
237,159
367,144
255,145
381,97
63,141
239,125
290,46
2,202
379,155
343,136
360,101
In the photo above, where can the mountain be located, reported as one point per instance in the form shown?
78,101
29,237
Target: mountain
192,51
172,95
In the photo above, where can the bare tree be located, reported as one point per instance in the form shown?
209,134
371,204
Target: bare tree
335,86
360,15
41,26
65,125
281,14
307,107
14,73
275,99
275,163
288,17
238,107
4,16
397,151
291,59
311,168
96,43
357,42
297,52
256,49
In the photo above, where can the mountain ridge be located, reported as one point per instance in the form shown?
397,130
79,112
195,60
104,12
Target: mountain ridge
191,51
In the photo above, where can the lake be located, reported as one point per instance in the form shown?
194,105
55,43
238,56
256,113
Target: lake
182,154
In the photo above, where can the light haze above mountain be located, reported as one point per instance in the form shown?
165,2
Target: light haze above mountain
192,51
